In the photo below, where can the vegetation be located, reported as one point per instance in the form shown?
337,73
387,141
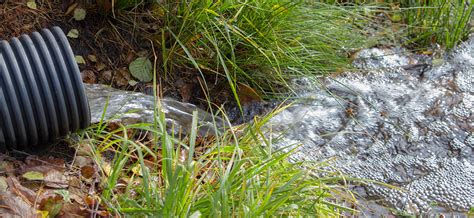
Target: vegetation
262,44
444,22
236,174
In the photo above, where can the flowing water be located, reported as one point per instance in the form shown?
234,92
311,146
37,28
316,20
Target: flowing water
133,107
404,120
400,121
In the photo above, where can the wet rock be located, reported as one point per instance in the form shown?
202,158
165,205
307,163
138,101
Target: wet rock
393,123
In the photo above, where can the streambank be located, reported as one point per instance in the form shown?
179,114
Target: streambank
405,120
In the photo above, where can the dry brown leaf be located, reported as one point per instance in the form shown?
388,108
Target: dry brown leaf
87,172
106,76
92,58
247,94
122,76
26,194
76,190
81,161
88,76
12,205
185,90
74,210
100,67
56,179
91,202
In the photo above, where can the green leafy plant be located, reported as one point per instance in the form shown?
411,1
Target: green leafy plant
142,69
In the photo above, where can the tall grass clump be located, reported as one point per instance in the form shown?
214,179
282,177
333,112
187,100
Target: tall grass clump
231,175
445,22
258,43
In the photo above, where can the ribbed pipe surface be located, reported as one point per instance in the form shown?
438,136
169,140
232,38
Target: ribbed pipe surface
42,96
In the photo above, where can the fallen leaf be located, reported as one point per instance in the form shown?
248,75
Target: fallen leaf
105,6
141,68
100,66
26,194
3,184
81,161
185,90
122,76
80,59
76,191
52,205
31,4
105,76
92,58
247,94
33,175
73,33
65,194
13,205
84,149
103,213
132,82
44,164
88,76
90,201
67,5
87,172
7,167
74,210
79,14
55,179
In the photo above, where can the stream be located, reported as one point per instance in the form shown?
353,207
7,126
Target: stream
402,119
398,121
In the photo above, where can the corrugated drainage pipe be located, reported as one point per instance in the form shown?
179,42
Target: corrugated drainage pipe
42,97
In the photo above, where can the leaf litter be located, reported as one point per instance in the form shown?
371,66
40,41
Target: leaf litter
57,186
47,186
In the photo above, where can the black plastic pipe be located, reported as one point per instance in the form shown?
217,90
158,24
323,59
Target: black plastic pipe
42,97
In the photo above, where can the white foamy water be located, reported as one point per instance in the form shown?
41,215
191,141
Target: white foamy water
396,122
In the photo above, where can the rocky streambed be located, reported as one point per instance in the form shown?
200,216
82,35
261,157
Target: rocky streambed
404,120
